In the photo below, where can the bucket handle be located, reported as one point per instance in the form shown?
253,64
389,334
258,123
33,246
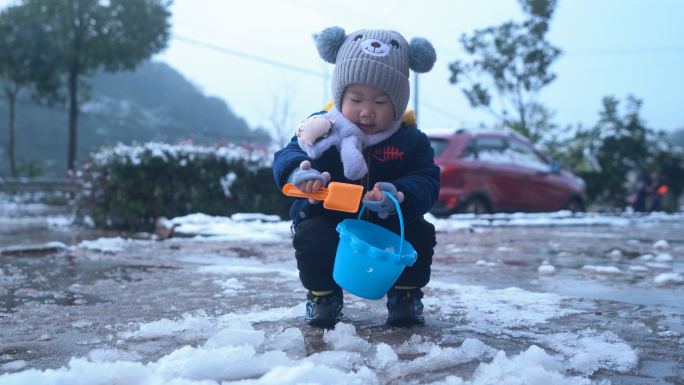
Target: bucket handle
401,223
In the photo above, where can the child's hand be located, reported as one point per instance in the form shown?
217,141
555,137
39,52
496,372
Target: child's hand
310,186
374,195
378,201
309,180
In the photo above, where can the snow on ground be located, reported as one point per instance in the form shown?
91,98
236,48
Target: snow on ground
235,352
253,227
560,218
264,227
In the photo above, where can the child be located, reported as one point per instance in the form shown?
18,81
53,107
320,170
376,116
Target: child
370,89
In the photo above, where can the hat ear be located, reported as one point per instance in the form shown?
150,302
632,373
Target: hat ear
422,55
329,42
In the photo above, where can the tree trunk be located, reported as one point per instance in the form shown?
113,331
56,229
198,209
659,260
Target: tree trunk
10,145
73,111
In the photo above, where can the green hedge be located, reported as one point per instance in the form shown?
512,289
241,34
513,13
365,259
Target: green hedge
127,187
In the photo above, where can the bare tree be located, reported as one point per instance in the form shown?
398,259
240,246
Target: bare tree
282,118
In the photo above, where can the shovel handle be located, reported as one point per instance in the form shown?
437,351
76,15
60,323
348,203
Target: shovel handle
290,190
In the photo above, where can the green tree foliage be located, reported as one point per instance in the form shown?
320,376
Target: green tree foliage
89,34
24,68
678,137
616,146
514,59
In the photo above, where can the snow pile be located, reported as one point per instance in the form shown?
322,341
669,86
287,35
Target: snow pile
661,245
667,279
603,270
230,287
256,268
560,218
546,268
450,224
615,254
589,350
344,337
484,263
12,366
266,227
63,221
496,311
533,366
237,353
166,327
663,257
113,355
106,245
638,269
437,358
136,154
251,227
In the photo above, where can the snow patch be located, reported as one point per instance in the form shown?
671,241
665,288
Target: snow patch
604,270
665,279
106,245
344,337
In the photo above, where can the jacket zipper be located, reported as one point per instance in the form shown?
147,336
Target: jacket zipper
365,181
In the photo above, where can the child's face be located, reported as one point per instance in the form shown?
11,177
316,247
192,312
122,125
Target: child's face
370,108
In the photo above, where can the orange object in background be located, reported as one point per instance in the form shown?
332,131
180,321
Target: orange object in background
662,190
337,196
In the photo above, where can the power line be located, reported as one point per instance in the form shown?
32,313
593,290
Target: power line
626,51
248,56
445,113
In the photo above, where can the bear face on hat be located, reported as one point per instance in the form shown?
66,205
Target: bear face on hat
377,57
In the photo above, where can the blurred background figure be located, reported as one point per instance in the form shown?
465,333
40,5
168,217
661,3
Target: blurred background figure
648,192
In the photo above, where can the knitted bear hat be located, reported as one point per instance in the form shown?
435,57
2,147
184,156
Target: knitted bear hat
376,57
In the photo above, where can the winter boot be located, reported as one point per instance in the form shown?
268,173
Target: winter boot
324,311
404,307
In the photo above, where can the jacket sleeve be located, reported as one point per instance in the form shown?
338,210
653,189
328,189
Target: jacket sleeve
420,184
287,160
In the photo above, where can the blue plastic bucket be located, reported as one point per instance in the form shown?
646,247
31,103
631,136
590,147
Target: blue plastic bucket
370,258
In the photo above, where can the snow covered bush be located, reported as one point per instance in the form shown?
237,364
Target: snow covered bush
128,187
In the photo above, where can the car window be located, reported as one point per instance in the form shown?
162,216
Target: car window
470,152
439,145
491,150
524,155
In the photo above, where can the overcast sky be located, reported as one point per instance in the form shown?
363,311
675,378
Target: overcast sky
612,47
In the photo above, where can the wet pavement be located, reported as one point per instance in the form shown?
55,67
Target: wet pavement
67,302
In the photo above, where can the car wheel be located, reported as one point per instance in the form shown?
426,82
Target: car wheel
575,206
475,206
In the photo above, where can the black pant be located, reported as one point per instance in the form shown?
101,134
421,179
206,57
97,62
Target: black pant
315,243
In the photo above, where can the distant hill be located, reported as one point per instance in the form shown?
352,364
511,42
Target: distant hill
154,103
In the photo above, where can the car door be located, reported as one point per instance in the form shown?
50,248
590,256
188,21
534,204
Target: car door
496,174
540,189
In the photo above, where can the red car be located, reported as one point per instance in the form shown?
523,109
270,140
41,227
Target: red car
497,171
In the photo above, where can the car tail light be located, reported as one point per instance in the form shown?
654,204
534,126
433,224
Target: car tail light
451,203
450,175
446,171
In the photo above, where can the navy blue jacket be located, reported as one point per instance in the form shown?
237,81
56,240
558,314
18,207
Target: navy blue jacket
405,159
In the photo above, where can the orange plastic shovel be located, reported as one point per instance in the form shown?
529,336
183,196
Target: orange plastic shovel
337,196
